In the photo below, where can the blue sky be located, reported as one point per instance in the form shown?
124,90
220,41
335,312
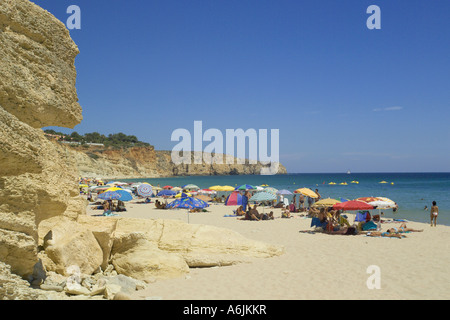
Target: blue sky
343,96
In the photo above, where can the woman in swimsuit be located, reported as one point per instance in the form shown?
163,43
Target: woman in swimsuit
434,211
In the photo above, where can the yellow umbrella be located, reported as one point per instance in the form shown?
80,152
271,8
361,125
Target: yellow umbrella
324,203
307,192
226,188
215,188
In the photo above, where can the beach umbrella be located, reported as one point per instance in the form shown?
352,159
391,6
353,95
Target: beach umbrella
166,193
234,199
379,204
263,196
245,187
325,203
144,190
226,188
203,197
353,205
283,192
386,199
367,199
207,191
191,187
270,190
176,189
115,194
183,195
167,187
215,188
188,203
307,192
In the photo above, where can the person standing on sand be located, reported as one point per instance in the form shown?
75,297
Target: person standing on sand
245,200
434,211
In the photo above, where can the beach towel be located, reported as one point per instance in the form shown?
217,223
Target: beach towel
231,215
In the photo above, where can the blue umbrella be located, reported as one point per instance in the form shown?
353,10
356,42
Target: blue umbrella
245,187
188,203
166,193
116,195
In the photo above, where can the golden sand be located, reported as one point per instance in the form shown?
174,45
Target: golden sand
315,266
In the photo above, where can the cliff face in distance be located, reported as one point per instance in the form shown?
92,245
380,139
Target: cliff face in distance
146,162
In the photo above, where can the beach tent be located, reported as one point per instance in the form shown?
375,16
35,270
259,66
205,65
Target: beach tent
234,199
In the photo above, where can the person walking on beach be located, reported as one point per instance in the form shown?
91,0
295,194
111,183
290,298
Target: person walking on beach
434,211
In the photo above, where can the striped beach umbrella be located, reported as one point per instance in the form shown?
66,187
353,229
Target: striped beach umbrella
145,190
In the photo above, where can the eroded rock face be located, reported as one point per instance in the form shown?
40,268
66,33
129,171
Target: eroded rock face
37,88
37,82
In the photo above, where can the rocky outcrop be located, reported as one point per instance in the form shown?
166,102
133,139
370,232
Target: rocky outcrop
37,88
146,162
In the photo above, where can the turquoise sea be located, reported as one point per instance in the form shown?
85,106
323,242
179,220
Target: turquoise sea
411,191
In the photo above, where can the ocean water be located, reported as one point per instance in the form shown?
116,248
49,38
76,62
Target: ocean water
411,191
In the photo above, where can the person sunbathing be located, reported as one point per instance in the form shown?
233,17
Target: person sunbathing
159,205
390,233
403,228
252,214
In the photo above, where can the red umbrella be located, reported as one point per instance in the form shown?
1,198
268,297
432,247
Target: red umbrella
353,205
167,187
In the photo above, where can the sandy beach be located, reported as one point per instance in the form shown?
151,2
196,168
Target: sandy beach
314,266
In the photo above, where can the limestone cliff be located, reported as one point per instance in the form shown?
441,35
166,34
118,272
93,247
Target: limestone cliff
37,89
146,162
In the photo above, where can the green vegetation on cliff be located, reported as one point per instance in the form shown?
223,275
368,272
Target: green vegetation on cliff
117,140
